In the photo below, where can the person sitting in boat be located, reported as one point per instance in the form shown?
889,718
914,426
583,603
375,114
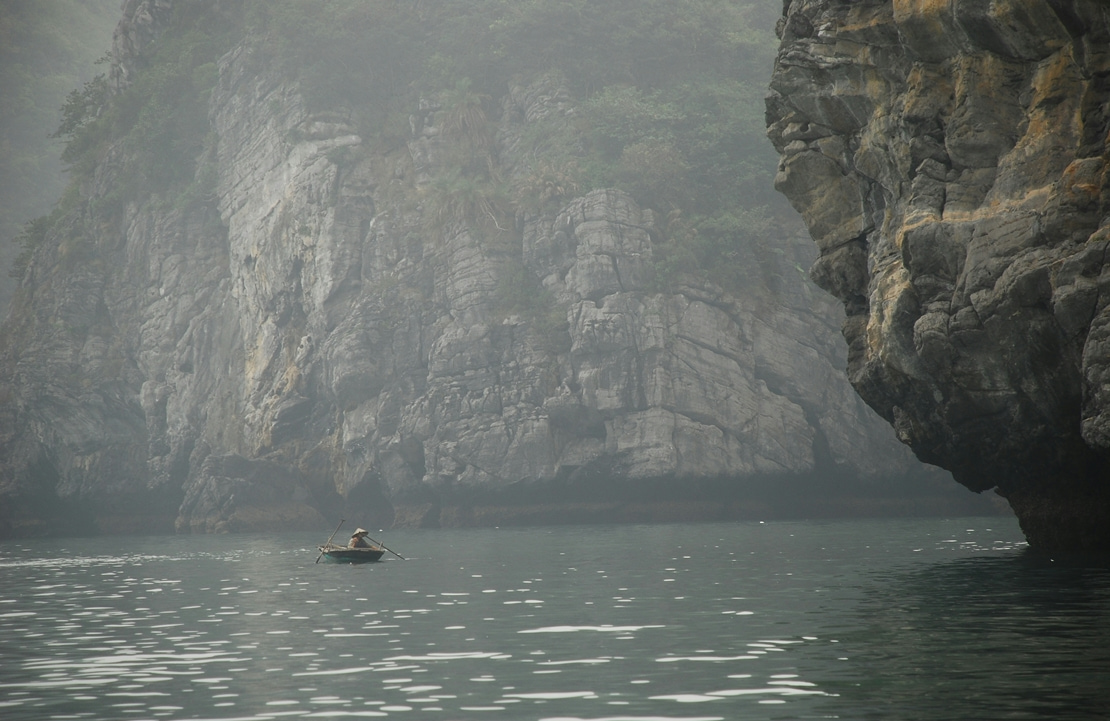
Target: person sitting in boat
358,539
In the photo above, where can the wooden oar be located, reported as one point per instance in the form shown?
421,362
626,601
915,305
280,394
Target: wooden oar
331,537
382,545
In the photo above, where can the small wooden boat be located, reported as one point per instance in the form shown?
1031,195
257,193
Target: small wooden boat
342,554
363,552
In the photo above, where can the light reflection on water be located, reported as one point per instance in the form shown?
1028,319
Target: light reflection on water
923,619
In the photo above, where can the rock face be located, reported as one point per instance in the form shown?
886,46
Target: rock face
950,161
311,340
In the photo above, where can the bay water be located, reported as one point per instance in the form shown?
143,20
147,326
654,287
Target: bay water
864,619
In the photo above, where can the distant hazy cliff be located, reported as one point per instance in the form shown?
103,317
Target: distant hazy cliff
319,333
950,161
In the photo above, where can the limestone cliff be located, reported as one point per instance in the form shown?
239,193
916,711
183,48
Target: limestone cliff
950,161
324,331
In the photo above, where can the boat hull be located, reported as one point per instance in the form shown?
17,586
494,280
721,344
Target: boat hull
351,555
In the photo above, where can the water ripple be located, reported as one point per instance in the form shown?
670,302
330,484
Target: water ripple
743,620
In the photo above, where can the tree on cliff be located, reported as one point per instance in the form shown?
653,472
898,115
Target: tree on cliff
47,48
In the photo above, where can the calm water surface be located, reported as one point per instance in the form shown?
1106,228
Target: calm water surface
885,619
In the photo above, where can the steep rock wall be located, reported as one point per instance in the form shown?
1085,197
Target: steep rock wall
950,161
315,338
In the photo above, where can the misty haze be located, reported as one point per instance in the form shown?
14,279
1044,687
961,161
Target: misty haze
643,359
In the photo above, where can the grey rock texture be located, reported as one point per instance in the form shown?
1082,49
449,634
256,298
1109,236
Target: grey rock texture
142,24
310,341
950,161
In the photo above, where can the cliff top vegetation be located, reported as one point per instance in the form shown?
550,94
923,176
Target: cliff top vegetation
670,98
46,48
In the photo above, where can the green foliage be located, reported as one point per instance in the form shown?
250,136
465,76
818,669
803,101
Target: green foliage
82,107
47,48
456,196
464,120
726,248
473,177
622,115
673,115
520,293
360,56
340,154
670,104
164,114
203,186
656,173
550,182
33,235
160,122
641,43
710,127
671,99
672,262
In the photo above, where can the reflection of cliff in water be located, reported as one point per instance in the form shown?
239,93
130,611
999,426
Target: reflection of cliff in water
1017,636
